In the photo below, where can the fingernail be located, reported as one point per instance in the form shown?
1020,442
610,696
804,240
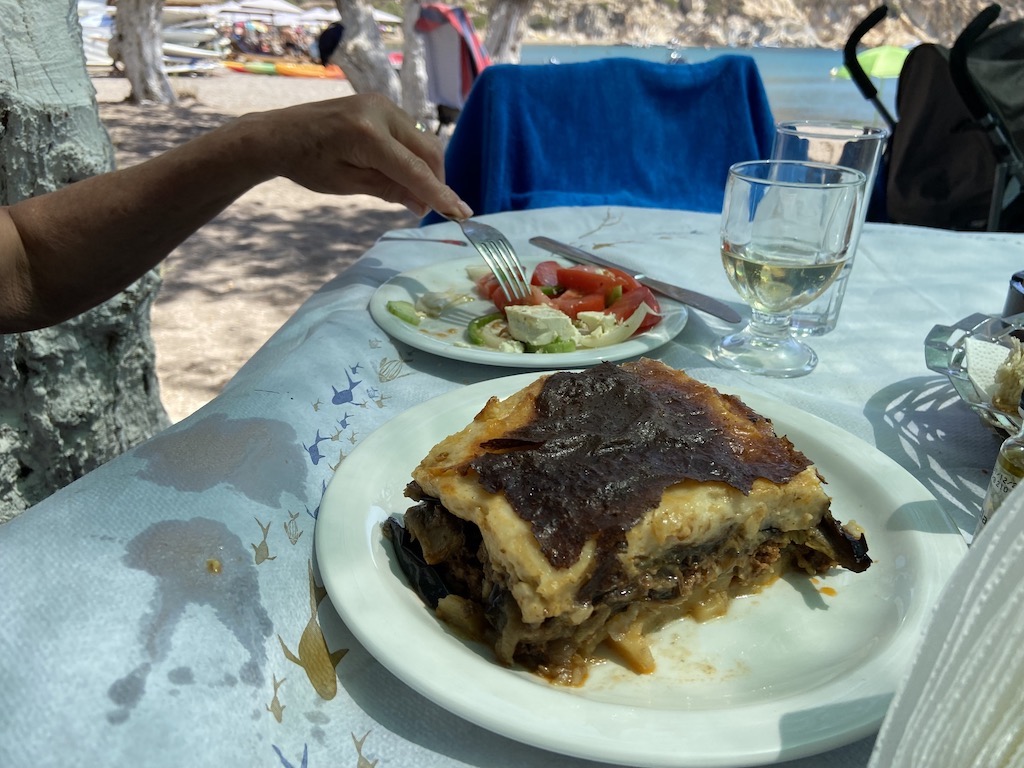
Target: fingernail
415,206
464,210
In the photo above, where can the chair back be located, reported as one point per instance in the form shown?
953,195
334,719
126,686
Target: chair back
614,131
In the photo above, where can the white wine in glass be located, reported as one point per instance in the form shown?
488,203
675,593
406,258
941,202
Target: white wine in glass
775,279
786,231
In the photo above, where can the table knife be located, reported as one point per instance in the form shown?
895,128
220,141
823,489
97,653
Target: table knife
685,295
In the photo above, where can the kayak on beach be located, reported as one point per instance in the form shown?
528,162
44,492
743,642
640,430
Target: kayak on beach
287,69
299,69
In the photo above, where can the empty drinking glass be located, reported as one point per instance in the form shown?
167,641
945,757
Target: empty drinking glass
837,143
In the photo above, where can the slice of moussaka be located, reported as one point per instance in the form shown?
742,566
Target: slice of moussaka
592,508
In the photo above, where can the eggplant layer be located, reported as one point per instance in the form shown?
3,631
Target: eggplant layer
447,562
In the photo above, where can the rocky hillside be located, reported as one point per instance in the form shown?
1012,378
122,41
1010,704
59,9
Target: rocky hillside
790,23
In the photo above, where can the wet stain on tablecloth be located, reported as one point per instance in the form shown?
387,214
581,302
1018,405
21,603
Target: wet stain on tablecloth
179,554
240,453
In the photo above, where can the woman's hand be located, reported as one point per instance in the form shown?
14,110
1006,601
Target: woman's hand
360,144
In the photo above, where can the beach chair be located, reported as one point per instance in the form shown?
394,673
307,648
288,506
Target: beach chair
615,131
454,55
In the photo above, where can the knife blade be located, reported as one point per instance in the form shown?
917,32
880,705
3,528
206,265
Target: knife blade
685,295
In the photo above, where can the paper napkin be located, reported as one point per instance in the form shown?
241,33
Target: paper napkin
963,702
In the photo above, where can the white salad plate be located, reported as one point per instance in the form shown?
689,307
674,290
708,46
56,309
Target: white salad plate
446,335
801,668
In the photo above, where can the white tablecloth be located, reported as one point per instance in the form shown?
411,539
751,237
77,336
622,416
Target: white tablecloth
164,609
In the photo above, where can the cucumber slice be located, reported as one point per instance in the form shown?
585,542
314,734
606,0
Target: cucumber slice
404,311
554,347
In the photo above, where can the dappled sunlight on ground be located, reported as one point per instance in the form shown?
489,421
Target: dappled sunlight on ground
232,284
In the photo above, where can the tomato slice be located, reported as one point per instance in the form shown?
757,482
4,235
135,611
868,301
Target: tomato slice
485,285
546,273
586,280
536,297
572,302
591,279
627,305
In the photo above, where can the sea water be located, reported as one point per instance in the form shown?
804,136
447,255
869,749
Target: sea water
798,81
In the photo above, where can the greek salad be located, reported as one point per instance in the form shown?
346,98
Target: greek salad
569,308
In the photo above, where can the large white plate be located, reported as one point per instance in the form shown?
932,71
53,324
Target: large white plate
446,335
799,669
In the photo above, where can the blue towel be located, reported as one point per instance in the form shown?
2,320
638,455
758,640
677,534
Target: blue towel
608,132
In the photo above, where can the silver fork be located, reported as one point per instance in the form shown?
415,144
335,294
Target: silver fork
500,256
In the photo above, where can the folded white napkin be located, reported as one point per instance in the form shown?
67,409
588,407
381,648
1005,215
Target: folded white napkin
983,359
963,702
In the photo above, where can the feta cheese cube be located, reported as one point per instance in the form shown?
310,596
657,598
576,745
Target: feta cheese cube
538,325
597,323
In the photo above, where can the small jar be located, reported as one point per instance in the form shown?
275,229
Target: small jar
1006,474
1014,296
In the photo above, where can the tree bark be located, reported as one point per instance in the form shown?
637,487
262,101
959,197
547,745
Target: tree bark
138,43
78,394
363,57
413,76
361,53
506,24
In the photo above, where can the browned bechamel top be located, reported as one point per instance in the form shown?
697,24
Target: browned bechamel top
605,443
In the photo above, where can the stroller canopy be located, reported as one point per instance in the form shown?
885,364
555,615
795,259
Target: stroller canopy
941,163
955,158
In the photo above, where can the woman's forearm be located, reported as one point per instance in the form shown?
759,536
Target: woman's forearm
65,252
87,241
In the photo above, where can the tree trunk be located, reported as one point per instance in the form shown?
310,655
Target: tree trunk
361,54
506,23
73,396
413,76
137,42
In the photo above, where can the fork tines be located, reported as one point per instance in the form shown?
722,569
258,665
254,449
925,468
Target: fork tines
500,257
506,268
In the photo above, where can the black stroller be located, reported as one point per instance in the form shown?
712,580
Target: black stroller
954,159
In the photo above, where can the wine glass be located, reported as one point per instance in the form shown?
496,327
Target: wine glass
786,231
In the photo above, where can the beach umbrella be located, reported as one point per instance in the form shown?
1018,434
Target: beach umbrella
270,6
316,15
234,17
228,7
282,13
228,17
233,12
287,19
883,62
381,17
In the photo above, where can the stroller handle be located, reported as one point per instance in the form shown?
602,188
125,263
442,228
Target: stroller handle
860,77
958,61
853,66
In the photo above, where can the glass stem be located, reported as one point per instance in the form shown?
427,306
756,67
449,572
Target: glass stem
773,326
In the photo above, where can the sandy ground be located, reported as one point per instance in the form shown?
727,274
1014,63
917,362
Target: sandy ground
232,284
